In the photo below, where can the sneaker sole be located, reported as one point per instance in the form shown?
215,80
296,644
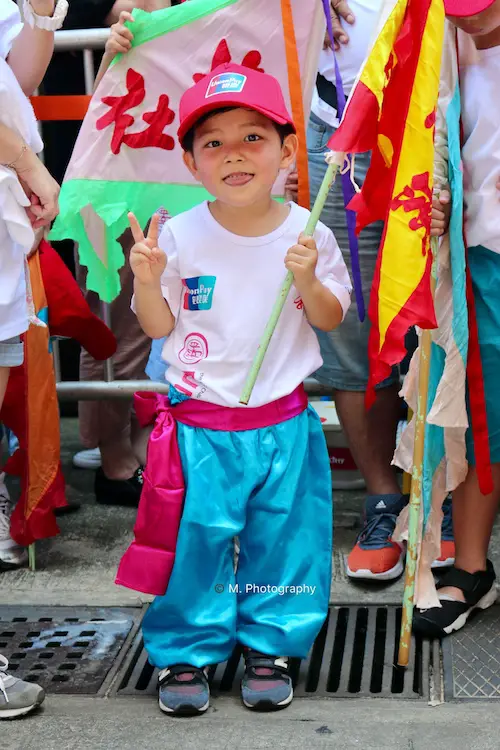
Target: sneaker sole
486,602
14,713
267,705
368,575
184,710
438,564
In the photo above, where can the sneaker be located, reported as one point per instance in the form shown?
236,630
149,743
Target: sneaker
266,684
17,697
479,591
184,690
11,554
376,556
447,557
124,492
90,459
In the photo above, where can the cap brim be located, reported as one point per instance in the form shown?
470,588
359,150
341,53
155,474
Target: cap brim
221,103
466,8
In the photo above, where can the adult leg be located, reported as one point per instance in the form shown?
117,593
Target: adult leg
108,424
11,554
473,518
470,583
371,435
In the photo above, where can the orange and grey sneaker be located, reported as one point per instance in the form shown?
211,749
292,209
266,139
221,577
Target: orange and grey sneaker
447,557
376,557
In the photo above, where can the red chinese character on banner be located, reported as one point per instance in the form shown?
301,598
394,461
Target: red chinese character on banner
223,55
417,197
118,107
298,303
153,136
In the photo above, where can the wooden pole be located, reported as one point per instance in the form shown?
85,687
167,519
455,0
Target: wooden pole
416,486
319,204
32,557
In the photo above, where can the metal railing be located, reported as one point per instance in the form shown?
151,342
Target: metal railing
86,41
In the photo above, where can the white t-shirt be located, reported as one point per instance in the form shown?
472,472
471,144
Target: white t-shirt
350,57
481,152
16,235
221,288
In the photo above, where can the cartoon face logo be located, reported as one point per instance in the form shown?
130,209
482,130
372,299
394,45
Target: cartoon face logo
194,350
226,83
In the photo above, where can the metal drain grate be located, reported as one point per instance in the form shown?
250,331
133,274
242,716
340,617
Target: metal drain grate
354,656
471,659
63,649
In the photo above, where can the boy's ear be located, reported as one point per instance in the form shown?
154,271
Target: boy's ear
289,150
190,163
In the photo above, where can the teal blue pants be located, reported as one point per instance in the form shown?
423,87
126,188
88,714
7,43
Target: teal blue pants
484,266
272,488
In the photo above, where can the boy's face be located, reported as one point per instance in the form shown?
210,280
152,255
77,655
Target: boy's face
237,156
481,24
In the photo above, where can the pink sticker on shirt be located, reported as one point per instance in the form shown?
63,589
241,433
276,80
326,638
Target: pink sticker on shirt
194,350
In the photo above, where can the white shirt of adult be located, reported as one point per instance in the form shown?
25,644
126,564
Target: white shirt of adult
350,57
16,235
481,152
221,288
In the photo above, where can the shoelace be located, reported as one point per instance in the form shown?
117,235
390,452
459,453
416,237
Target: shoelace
4,665
378,530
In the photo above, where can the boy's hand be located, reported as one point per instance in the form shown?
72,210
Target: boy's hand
441,209
120,39
301,260
147,261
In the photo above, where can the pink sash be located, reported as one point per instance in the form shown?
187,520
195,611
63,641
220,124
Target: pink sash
148,562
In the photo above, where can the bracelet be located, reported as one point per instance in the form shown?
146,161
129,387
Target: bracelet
12,165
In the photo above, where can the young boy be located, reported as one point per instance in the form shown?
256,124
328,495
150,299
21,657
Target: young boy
260,472
470,584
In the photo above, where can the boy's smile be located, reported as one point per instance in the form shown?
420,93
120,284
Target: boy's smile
237,156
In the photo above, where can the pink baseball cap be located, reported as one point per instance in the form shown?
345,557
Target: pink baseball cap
466,8
232,85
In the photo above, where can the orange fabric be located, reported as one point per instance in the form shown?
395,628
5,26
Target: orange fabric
49,108
43,444
292,59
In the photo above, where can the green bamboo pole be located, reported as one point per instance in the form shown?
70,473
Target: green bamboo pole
32,557
319,203
416,486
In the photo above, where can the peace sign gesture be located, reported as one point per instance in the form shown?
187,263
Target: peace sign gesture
147,261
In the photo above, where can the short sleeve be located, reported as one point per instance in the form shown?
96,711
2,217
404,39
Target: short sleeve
171,282
331,269
10,26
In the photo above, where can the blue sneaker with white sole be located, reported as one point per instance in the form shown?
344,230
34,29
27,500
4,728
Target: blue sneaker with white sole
266,684
184,690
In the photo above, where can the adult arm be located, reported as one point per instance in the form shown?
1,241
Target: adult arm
41,188
32,50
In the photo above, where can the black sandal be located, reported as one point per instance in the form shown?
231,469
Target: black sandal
479,591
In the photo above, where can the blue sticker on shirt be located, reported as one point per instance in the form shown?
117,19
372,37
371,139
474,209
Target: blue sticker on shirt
198,292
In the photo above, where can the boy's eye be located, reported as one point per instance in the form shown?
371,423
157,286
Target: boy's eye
252,138
213,144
